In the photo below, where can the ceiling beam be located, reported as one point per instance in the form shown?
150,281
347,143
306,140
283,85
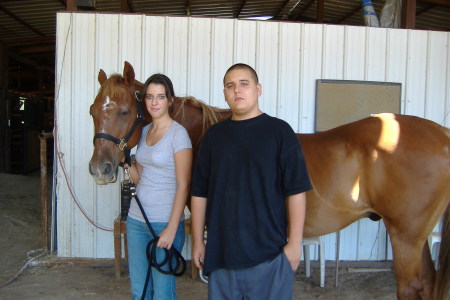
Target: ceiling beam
13,42
425,9
126,6
349,14
9,13
37,49
238,13
305,8
438,2
30,62
187,8
286,9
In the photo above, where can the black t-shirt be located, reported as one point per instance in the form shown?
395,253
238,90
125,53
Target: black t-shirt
246,169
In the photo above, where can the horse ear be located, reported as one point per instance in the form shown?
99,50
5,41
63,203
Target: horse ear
101,76
128,73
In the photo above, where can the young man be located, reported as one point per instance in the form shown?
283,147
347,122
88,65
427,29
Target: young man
248,187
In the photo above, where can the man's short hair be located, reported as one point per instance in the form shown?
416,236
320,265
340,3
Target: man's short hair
242,66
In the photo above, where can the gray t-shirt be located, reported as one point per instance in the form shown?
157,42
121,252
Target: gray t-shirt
158,184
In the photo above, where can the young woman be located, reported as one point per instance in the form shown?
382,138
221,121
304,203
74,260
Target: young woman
162,172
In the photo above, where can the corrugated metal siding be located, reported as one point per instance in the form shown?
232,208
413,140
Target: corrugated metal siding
195,53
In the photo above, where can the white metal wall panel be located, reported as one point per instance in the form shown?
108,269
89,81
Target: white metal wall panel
176,65
198,74
153,44
310,70
107,34
354,53
195,53
447,86
333,52
267,46
396,60
376,54
288,85
416,75
245,41
222,37
83,234
130,31
436,76
62,129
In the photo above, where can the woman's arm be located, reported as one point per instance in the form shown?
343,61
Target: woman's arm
183,167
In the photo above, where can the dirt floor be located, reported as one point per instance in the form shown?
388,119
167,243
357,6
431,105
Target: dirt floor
50,277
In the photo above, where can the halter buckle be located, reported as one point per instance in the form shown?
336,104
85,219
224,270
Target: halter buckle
123,144
137,94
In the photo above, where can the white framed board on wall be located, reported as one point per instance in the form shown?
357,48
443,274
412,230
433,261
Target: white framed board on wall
343,101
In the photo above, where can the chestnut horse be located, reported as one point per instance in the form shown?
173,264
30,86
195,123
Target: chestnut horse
386,166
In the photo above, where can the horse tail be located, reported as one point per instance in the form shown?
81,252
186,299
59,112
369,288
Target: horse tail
442,284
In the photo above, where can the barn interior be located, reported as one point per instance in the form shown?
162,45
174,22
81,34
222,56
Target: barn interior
27,64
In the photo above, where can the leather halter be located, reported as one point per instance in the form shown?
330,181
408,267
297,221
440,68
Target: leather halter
123,143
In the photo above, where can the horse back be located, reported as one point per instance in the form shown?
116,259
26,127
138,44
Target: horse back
386,165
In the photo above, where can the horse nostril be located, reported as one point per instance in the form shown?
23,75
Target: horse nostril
90,169
107,168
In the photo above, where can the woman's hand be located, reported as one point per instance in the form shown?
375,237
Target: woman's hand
166,238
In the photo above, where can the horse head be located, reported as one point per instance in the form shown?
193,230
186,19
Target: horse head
117,115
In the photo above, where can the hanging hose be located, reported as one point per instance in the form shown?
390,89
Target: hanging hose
23,268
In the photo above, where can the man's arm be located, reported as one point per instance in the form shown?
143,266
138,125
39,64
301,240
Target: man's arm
296,207
198,210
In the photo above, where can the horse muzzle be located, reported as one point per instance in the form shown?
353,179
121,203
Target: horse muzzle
104,172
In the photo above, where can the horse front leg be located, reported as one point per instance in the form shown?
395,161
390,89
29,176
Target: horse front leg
413,269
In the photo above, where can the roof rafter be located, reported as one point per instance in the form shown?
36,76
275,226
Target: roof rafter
9,13
285,11
238,13
300,13
126,6
187,8
30,62
358,8
438,2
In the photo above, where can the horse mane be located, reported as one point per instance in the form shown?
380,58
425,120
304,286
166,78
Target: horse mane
110,86
210,114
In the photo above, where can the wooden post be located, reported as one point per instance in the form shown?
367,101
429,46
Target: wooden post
71,5
409,14
4,112
44,195
320,10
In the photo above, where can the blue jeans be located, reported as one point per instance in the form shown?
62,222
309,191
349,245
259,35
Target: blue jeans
160,286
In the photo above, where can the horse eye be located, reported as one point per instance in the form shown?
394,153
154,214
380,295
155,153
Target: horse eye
125,112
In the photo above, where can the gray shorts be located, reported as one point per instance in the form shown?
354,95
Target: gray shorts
270,280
